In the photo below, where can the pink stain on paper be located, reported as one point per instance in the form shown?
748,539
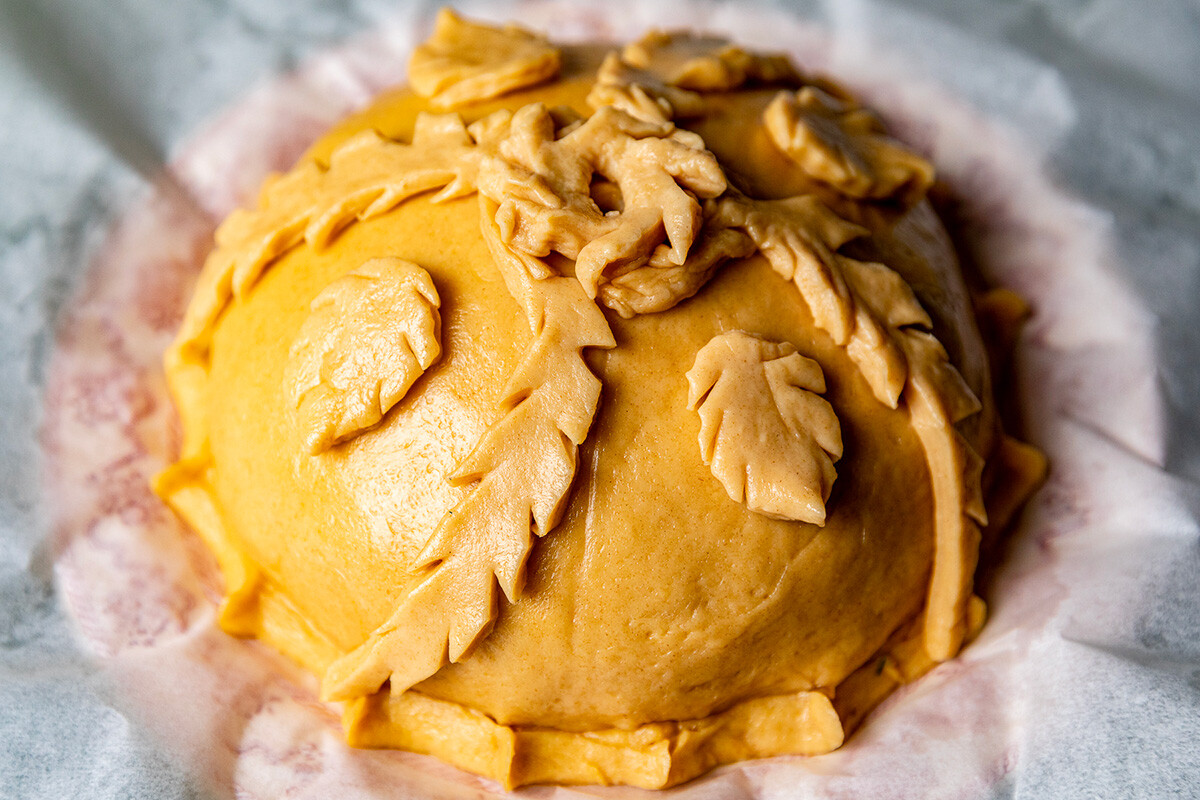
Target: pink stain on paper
143,590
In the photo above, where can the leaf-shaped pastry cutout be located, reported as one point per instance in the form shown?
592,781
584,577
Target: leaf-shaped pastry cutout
799,236
766,434
861,305
520,475
659,177
641,93
706,63
660,285
846,147
884,304
542,180
661,77
369,335
935,394
465,62
367,176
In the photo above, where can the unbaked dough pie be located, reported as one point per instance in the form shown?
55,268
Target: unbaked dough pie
586,416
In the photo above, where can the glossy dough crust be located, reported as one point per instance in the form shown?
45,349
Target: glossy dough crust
711,501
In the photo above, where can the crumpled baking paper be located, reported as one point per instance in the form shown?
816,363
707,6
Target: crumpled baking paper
1086,679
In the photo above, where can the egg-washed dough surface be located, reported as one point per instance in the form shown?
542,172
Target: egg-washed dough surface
653,572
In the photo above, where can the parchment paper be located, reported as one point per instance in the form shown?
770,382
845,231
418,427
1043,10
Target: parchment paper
1086,681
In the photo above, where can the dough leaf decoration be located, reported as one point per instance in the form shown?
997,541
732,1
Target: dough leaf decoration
367,176
541,176
937,397
369,335
884,308
642,94
660,285
765,432
706,63
661,77
799,237
519,475
466,62
846,147
858,304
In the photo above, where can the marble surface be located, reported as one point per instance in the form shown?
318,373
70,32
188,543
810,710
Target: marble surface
96,96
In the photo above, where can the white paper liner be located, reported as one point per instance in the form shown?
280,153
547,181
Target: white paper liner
142,589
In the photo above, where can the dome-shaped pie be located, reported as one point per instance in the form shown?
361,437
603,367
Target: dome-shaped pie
618,417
